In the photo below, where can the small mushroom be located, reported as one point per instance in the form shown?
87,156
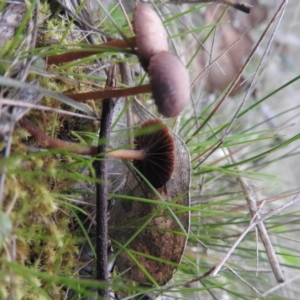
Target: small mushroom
169,81
151,36
153,155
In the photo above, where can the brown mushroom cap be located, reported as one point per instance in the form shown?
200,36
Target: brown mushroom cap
151,36
158,165
170,85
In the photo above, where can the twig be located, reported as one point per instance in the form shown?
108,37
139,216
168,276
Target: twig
253,223
214,270
252,203
127,79
101,190
279,286
243,280
244,7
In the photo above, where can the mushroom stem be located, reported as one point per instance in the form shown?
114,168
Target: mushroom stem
128,154
92,50
43,140
111,93
154,156
46,141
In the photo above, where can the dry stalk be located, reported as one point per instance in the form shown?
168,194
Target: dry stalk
254,222
252,204
101,190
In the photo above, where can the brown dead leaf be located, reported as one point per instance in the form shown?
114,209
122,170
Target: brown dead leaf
162,238
232,41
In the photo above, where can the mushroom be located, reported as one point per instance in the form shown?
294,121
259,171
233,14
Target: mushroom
169,84
151,36
169,81
150,39
153,155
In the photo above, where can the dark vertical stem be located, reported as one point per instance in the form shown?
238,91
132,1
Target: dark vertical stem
101,193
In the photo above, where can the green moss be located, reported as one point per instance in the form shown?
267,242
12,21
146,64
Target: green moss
40,220
43,233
